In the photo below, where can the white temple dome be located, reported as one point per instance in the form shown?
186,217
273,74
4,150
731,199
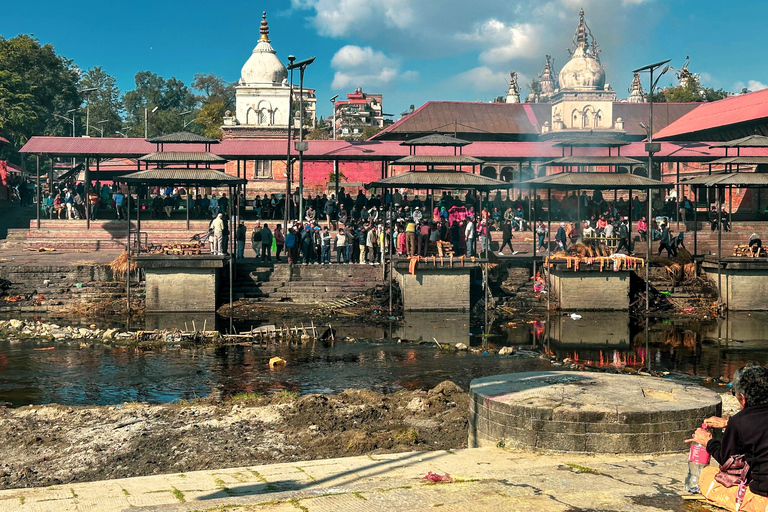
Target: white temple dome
584,71
263,66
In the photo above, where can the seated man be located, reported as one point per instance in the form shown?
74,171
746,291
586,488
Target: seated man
744,435
755,245
589,231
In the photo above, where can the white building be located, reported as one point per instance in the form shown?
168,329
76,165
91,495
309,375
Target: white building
262,96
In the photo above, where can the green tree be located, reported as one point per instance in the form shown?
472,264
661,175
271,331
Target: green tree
171,97
218,97
322,131
104,102
35,83
691,92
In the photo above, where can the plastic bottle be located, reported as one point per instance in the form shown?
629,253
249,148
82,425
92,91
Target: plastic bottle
697,459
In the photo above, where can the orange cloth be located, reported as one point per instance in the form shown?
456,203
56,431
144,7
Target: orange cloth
725,497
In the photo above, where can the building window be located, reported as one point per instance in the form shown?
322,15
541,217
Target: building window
262,169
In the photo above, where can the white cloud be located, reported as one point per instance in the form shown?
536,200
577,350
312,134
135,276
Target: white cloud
365,67
751,85
505,42
483,79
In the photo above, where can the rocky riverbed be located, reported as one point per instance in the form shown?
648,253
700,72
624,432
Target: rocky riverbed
53,444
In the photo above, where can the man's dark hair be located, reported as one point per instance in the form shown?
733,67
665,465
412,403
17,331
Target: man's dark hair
752,382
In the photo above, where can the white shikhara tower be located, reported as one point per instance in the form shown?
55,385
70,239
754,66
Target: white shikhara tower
262,94
584,102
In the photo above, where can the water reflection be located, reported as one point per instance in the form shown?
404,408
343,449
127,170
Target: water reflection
44,372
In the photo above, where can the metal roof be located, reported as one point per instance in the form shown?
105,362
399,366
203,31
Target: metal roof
182,157
3,140
592,160
182,137
440,180
741,160
436,140
205,177
718,115
438,160
472,117
751,141
594,181
737,179
520,120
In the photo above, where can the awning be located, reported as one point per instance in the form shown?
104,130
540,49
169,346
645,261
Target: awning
202,177
751,141
595,181
182,138
436,140
566,161
440,180
438,160
179,157
741,160
605,142
736,179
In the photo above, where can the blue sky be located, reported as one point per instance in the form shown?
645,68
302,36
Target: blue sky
412,51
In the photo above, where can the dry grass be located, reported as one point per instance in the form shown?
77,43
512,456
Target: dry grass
120,266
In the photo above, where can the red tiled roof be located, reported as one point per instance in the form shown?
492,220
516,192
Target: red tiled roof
4,140
718,114
275,149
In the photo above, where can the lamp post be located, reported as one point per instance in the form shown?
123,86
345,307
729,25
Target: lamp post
184,118
146,120
101,129
70,111
333,125
651,148
124,134
301,146
87,92
288,169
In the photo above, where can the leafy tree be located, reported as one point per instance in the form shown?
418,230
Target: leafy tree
322,131
104,102
218,97
691,92
171,97
35,83
535,90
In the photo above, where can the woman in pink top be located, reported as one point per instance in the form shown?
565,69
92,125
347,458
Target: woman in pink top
642,228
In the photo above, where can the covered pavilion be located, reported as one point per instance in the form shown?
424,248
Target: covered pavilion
597,181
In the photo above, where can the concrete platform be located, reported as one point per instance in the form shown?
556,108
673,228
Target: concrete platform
743,282
485,480
587,412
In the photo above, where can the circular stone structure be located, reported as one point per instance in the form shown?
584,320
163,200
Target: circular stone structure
587,412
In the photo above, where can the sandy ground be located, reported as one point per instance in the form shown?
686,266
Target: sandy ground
52,444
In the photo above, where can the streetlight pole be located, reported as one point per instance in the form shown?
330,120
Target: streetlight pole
651,148
301,146
333,126
287,213
87,93
184,119
101,129
146,120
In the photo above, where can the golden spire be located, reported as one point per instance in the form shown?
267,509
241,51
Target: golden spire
264,28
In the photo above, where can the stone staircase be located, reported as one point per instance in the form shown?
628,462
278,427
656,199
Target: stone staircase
300,284
47,288
106,234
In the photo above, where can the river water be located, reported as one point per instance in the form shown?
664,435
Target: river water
87,374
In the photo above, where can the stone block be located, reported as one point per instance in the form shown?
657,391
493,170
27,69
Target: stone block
608,290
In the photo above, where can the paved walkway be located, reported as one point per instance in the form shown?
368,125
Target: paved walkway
487,479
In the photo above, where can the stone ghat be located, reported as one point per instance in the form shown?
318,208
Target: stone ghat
587,412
